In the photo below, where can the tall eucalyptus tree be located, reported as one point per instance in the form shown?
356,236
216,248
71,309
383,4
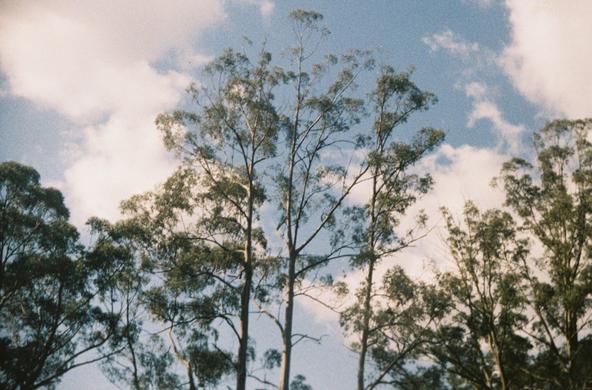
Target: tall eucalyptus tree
553,200
53,311
222,147
392,190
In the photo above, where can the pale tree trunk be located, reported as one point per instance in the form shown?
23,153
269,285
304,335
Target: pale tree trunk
288,322
365,327
292,255
136,380
241,375
369,281
498,361
571,335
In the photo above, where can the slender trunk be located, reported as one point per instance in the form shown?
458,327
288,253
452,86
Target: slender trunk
136,380
241,375
288,322
498,361
572,345
365,326
186,362
190,375
292,255
130,345
369,280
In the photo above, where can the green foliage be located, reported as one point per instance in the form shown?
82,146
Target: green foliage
520,316
187,285
299,383
553,200
51,312
394,334
481,342
397,328
208,247
155,296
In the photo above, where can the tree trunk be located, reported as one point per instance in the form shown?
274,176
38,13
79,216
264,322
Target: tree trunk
571,335
130,345
241,374
365,327
190,375
369,280
498,361
288,322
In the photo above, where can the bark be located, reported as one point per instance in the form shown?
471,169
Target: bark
241,375
291,244
365,328
288,322
369,278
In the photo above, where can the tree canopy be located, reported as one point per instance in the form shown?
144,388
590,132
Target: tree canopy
264,210
53,314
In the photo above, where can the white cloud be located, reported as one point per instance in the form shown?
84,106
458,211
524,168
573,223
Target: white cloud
476,89
451,42
508,132
485,108
481,3
476,62
190,59
93,62
118,158
460,174
90,59
549,58
265,6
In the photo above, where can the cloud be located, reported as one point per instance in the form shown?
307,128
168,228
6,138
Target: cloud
452,43
485,108
476,89
460,174
481,3
94,63
190,59
549,58
266,7
488,110
86,60
118,158
477,63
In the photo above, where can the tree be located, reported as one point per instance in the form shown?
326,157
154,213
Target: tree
142,362
480,342
191,285
313,188
237,130
233,143
396,328
223,147
392,191
553,201
51,316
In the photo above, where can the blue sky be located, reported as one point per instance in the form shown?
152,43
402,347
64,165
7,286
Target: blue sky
81,83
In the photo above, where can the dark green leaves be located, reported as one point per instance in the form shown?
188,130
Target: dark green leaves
51,292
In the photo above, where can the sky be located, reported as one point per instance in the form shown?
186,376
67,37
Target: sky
82,81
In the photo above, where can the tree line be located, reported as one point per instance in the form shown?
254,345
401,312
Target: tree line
270,155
